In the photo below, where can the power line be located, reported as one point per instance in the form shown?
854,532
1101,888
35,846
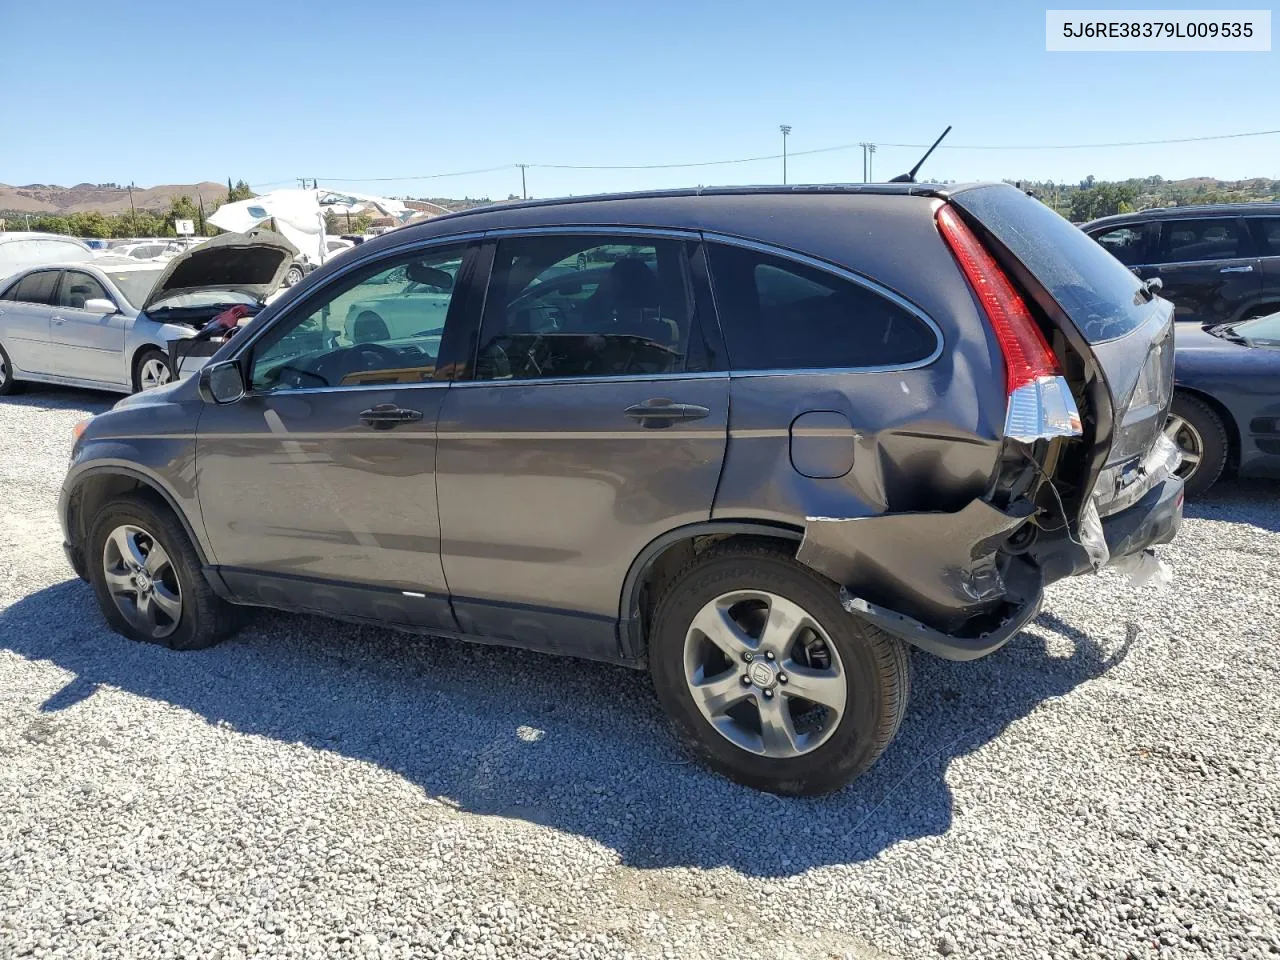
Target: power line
790,153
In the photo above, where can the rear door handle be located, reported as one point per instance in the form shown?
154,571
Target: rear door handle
59,321
1247,268
384,416
661,412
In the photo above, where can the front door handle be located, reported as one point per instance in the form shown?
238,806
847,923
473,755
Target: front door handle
384,416
1247,268
661,412
58,321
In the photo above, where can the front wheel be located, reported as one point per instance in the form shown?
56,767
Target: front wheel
293,275
1201,438
148,580
151,370
767,679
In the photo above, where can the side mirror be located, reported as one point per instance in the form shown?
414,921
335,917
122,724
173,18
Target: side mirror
99,305
419,272
222,382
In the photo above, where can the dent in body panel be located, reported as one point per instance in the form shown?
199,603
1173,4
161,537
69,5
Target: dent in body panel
942,568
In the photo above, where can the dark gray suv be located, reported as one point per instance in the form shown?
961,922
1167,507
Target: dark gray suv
759,441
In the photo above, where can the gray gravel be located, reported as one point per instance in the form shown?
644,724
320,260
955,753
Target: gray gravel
1106,786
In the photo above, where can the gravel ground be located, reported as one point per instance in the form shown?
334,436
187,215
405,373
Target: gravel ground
1103,787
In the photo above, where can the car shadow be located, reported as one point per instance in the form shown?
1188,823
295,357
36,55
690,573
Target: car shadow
577,746
47,396
1239,500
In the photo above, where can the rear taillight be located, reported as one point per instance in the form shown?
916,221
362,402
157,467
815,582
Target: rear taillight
1040,401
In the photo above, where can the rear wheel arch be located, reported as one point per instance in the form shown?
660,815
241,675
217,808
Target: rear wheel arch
666,555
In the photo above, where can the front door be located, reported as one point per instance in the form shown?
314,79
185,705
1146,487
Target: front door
87,344
25,317
1209,268
317,488
581,434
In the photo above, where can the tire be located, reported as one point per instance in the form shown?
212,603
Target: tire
203,618
293,276
842,743
1199,433
8,385
151,369
369,326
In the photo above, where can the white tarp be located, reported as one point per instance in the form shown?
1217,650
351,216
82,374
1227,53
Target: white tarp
299,214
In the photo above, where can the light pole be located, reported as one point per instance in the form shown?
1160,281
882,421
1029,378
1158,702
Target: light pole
868,150
786,129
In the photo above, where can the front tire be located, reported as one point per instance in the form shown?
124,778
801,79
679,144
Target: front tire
1201,436
147,578
293,276
151,369
767,679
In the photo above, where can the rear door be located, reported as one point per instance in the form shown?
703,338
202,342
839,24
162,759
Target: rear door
1209,267
588,424
86,344
25,320
1266,236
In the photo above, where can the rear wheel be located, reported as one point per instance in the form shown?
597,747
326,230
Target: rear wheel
768,679
8,385
1201,437
151,370
148,580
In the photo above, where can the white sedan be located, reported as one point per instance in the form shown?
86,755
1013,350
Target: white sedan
106,324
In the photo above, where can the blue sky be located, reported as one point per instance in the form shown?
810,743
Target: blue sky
178,92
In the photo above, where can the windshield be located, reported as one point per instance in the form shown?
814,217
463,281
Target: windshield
135,285
202,298
1260,329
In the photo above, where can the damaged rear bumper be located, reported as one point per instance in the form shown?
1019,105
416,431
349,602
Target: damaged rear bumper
943,583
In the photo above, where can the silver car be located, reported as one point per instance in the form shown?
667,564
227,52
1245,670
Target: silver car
106,324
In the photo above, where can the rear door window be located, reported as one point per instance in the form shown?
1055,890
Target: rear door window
1126,244
780,314
1189,241
1266,232
37,287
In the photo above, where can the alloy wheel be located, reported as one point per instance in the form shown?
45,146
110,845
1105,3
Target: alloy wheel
1189,443
4,372
764,674
142,581
154,373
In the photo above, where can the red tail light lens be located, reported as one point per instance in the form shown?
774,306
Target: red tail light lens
1027,357
1040,402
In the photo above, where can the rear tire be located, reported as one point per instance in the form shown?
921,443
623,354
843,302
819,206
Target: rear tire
1202,437
729,710
8,385
132,529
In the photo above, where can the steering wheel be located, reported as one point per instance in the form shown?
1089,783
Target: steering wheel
373,356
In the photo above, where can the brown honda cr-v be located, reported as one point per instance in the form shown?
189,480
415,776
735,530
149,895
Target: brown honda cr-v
758,441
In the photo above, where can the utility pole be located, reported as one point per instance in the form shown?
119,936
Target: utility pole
133,214
524,190
868,150
786,129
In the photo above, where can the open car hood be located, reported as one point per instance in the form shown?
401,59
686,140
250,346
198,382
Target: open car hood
252,263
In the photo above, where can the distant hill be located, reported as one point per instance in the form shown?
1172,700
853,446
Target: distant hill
103,198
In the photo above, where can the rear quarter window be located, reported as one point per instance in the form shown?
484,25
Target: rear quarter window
780,314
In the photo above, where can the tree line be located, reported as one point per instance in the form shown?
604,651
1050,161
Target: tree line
139,223
1092,198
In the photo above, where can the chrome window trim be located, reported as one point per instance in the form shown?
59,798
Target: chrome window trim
597,230
595,378
843,273
344,270
349,388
